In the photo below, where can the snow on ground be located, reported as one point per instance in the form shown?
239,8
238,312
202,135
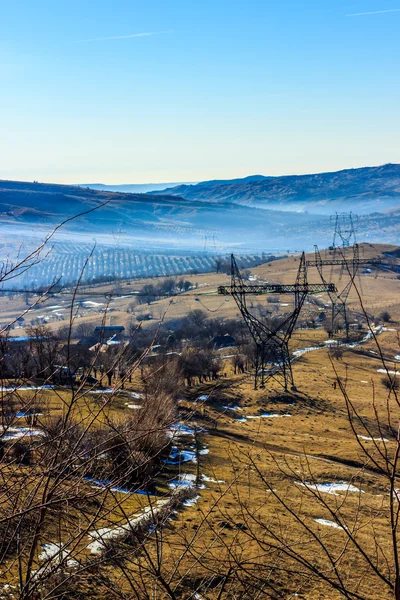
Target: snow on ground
26,388
371,439
27,413
16,433
182,429
55,551
98,484
211,479
91,303
274,415
330,488
179,456
184,480
302,351
191,501
133,406
390,372
262,416
328,523
104,534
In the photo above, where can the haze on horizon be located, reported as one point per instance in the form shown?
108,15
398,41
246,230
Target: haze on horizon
126,93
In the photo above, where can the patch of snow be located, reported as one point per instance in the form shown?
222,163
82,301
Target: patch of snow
179,456
397,357
191,501
16,433
241,420
275,415
211,479
54,555
21,414
232,407
91,303
370,439
97,483
266,416
390,372
185,480
26,388
330,488
181,429
299,353
328,523
203,397
104,534
134,406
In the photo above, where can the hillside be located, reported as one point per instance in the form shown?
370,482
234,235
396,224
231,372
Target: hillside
365,190
145,221
141,234
130,188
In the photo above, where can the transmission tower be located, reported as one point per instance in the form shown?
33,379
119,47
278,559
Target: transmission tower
345,231
344,252
272,342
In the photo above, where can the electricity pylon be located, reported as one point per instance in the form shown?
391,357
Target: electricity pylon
273,358
344,252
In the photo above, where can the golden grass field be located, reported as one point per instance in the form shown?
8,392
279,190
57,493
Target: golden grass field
261,460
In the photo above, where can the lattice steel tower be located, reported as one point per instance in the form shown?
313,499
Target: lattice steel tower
273,358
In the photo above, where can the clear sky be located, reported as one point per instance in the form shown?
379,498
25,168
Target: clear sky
127,91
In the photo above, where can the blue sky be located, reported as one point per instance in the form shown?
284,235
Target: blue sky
173,90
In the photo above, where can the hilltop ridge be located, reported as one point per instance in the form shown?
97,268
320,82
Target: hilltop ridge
363,190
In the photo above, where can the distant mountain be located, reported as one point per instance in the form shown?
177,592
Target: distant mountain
167,222
131,188
365,190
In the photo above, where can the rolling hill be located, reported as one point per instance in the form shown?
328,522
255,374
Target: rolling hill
203,220
130,188
148,221
365,190
139,234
